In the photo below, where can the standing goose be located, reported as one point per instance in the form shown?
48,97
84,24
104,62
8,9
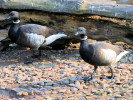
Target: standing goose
98,53
31,35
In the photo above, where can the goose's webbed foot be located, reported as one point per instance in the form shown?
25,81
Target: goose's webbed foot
36,55
87,79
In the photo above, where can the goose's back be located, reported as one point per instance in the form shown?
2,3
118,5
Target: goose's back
33,35
36,29
104,53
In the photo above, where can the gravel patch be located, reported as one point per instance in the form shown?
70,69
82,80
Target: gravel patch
59,74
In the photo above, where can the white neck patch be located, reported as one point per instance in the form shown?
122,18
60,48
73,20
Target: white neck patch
85,38
18,21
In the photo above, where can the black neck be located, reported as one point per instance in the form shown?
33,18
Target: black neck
13,32
16,19
82,36
83,41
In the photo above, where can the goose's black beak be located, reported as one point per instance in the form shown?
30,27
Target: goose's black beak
76,33
8,17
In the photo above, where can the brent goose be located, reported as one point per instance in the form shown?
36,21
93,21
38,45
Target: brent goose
31,35
98,53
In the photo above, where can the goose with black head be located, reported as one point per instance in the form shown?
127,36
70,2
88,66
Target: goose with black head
31,35
98,53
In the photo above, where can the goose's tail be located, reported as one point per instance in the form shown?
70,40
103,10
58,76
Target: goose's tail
122,54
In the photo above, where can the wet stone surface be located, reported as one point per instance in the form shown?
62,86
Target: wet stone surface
59,74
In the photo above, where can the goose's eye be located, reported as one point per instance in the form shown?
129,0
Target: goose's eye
79,30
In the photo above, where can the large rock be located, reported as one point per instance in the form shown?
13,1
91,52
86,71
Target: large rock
113,8
99,28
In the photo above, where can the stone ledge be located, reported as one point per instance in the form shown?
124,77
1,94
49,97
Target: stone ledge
103,7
